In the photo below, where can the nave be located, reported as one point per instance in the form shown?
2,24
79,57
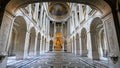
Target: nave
56,59
84,33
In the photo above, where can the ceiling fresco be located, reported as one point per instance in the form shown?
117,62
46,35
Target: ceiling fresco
59,10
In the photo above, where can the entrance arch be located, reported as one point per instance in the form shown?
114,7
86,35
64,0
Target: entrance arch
84,42
94,30
18,34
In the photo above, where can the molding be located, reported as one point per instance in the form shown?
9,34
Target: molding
9,14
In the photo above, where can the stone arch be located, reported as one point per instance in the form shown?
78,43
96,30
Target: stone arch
93,3
84,42
38,43
18,35
31,47
94,30
51,45
77,44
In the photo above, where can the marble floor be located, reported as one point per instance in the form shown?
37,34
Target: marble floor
56,60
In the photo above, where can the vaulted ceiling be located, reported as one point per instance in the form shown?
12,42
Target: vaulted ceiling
100,5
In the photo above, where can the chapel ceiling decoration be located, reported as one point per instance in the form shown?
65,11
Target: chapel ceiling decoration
58,11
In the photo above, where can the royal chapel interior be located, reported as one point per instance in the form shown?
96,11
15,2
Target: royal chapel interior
59,33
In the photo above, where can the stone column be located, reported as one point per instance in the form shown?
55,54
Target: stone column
43,22
48,28
62,28
75,46
36,40
72,26
30,14
53,46
26,44
92,46
41,45
6,28
41,15
81,13
72,47
36,11
73,21
47,47
76,18
62,35
89,45
54,28
80,46
44,45
68,28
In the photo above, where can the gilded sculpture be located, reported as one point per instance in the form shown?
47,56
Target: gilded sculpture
58,41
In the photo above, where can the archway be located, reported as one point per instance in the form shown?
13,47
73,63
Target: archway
51,45
18,34
77,44
94,30
84,42
31,49
38,44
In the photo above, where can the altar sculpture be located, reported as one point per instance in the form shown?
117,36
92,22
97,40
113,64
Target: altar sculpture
58,41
